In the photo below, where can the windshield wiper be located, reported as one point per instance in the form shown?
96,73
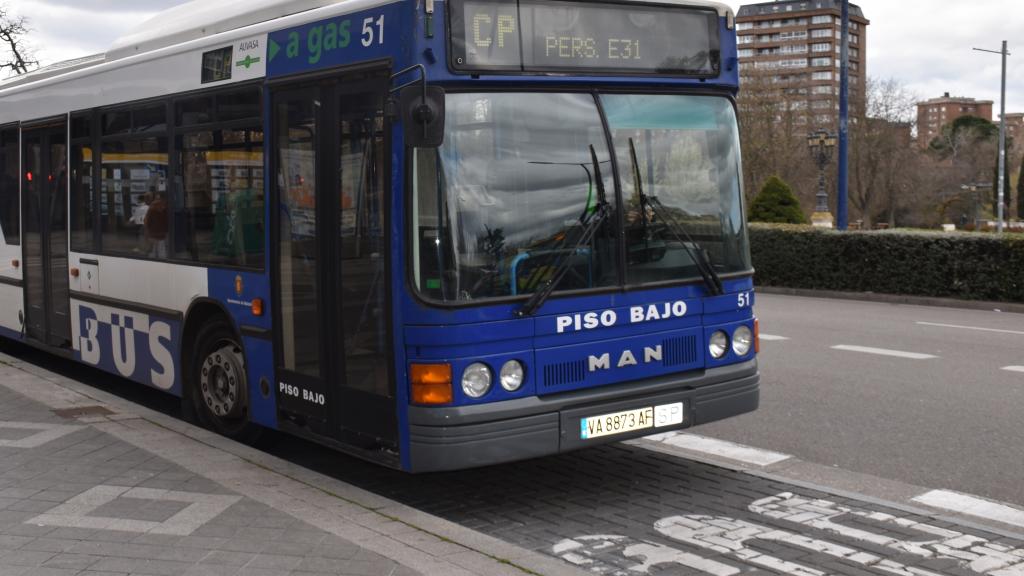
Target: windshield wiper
592,222
697,254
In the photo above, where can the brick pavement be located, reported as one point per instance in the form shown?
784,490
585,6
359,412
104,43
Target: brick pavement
115,489
622,510
75,500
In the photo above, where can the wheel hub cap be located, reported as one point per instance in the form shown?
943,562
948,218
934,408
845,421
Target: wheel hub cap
221,381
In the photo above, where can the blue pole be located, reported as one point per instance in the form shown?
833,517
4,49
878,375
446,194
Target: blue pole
844,119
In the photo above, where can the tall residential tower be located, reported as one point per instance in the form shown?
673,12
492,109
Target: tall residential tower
790,49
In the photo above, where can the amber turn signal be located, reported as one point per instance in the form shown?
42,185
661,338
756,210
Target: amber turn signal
431,383
74,272
257,307
15,263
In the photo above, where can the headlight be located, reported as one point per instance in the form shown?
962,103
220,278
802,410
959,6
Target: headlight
512,375
718,345
742,340
476,380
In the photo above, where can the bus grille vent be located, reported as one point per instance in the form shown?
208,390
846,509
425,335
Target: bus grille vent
564,373
679,351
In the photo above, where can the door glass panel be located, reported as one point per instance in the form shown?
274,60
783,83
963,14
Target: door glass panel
57,221
363,291
296,180
32,186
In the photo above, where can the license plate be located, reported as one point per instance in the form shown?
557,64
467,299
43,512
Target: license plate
631,420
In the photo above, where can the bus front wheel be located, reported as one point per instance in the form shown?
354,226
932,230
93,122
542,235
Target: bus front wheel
219,394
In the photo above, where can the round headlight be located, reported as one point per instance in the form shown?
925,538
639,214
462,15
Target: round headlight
476,380
512,375
742,340
718,345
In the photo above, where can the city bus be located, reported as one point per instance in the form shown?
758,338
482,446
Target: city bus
432,234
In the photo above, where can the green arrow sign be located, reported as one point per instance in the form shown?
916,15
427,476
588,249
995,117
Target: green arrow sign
248,62
273,50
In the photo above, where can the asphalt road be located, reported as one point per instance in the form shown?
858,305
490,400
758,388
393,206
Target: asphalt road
954,421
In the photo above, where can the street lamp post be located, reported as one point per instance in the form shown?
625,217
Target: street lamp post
1002,138
821,144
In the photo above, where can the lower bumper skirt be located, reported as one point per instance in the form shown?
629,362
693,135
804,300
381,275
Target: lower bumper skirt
472,436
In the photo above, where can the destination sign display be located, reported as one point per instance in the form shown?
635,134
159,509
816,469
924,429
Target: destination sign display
567,36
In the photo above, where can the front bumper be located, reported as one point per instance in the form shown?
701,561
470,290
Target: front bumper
485,434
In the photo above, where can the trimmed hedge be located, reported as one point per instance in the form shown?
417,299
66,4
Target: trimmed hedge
951,265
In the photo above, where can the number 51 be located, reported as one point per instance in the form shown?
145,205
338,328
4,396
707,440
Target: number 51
368,31
744,299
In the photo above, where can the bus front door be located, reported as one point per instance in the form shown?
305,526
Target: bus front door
45,233
330,261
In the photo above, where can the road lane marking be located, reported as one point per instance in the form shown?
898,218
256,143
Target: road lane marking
972,506
1014,368
884,352
772,338
738,452
975,328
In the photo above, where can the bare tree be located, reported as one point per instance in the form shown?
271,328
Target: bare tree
884,164
773,132
15,55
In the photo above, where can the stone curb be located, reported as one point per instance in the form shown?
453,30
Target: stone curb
895,299
421,541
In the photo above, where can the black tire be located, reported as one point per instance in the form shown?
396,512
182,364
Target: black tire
218,393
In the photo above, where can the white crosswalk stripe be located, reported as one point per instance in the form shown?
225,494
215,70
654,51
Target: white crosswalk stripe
720,448
973,506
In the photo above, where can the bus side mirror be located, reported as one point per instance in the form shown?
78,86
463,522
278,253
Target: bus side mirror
422,113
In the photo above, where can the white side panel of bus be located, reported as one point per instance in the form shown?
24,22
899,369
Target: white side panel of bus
151,283
8,256
12,298
12,301
145,77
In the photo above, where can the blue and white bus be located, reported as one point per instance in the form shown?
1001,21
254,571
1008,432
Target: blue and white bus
433,234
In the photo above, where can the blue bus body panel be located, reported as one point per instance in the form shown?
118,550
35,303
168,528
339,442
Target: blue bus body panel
631,336
341,41
8,333
491,333
135,345
236,291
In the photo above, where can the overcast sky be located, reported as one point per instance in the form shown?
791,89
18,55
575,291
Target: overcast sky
926,44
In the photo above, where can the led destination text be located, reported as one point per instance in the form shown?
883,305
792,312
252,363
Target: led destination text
574,47
568,47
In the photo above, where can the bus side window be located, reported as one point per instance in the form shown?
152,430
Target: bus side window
10,216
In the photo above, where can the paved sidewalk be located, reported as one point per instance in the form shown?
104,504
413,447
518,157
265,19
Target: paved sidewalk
93,485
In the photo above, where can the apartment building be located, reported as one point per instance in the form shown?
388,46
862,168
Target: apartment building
1015,127
933,114
790,50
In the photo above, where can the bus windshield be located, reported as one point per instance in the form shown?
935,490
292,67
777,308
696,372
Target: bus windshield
505,201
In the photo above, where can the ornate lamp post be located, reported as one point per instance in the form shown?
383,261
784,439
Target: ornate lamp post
821,144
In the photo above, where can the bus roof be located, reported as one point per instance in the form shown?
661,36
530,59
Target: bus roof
199,18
